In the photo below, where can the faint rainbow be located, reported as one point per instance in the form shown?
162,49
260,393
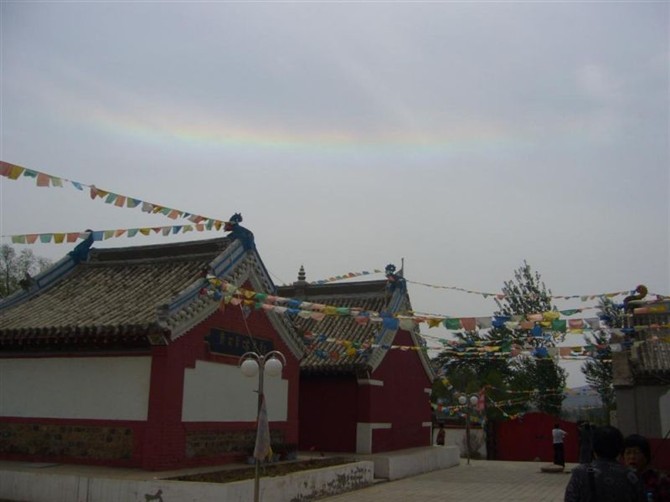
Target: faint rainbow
478,139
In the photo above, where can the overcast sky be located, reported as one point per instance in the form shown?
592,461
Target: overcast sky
464,137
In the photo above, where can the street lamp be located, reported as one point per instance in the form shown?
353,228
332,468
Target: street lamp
470,404
252,364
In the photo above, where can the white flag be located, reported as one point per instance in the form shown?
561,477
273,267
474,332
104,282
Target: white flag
262,449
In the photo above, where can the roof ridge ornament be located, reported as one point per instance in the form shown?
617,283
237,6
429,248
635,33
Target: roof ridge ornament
246,237
81,250
641,291
394,280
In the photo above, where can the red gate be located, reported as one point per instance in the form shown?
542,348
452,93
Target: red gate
528,438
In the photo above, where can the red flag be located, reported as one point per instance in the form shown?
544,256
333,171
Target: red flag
262,449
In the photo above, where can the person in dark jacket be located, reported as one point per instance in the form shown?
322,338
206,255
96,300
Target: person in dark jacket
604,479
637,455
585,430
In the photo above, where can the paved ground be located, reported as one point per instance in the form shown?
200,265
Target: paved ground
482,480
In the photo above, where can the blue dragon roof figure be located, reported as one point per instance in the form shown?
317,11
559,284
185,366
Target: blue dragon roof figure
237,231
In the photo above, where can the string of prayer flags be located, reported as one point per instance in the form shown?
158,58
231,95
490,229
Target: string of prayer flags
102,235
535,324
499,296
348,275
14,172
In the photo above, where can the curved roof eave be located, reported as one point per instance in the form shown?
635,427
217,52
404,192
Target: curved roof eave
236,266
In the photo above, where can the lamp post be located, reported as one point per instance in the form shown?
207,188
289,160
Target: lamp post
252,364
470,403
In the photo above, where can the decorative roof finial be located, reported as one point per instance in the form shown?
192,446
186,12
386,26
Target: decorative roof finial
80,251
394,280
237,231
638,294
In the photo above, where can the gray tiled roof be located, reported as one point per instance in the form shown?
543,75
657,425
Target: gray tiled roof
116,293
650,355
330,356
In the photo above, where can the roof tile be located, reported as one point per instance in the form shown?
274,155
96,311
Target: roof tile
326,351
116,291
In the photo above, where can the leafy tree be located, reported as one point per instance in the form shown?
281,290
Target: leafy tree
524,295
518,380
598,368
470,374
16,268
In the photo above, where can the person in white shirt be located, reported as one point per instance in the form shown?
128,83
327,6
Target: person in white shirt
557,435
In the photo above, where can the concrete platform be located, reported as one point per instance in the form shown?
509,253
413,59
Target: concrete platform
43,482
71,484
404,463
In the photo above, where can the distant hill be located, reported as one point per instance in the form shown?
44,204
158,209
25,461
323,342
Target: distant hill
581,397
583,403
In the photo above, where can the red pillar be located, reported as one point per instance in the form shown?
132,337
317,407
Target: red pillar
164,439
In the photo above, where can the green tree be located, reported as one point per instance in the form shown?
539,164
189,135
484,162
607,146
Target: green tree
469,373
518,380
598,368
527,294
15,268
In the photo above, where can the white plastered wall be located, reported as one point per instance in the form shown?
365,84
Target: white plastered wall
104,388
216,392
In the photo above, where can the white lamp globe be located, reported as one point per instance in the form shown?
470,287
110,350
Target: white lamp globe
273,367
249,368
462,399
474,400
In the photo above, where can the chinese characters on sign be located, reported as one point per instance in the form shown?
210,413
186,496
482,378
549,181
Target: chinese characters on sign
235,344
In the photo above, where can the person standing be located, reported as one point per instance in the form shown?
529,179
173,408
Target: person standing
637,456
604,479
440,435
557,436
585,442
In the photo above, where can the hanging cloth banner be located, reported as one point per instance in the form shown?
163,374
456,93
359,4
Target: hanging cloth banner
262,447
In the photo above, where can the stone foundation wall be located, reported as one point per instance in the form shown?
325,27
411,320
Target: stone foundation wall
72,441
216,443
